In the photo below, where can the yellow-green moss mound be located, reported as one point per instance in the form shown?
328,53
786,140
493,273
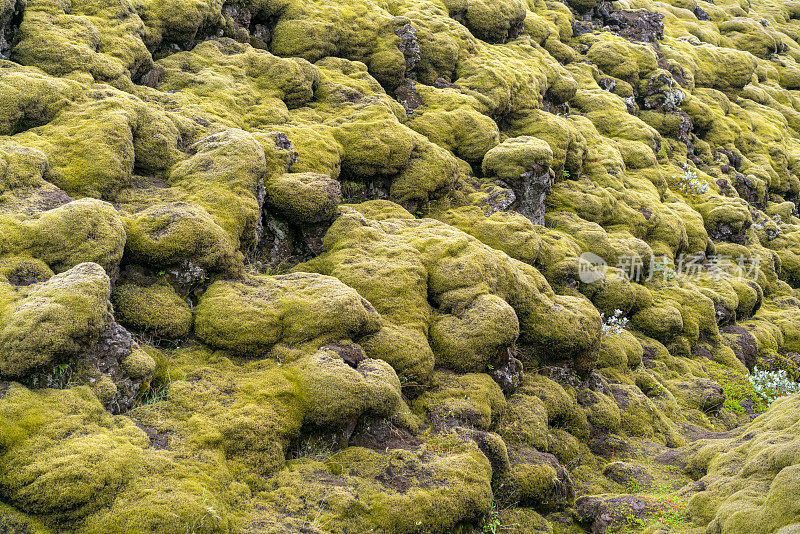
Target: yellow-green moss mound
398,266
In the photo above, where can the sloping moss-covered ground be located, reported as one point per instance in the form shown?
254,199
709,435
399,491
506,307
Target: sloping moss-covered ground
398,266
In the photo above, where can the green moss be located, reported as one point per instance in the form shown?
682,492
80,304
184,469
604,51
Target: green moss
523,521
169,234
293,309
186,148
15,522
22,270
244,414
453,121
602,412
94,145
660,321
493,21
468,340
496,73
721,68
33,98
430,263
507,231
157,309
336,394
52,322
65,451
62,40
747,482
223,176
622,59
517,156
562,409
375,147
438,491
772,361
303,198
535,479
431,171
699,393
85,230
525,421
248,86
738,390
474,399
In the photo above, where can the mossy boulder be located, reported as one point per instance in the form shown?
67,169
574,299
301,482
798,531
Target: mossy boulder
453,121
224,175
174,144
448,405
336,393
525,421
85,230
535,479
517,156
406,490
749,482
155,309
252,316
62,451
494,21
435,263
53,322
470,339
303,198
166,235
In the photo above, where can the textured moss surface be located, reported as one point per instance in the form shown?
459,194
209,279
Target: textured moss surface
53,320
399,266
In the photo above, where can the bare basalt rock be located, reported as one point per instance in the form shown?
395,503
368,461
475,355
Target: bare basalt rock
187,276
408,97
283,245
507,372
748,190
409,46
701,13
498,199
246,26
118,357
10,19
727,233
531,192
636,25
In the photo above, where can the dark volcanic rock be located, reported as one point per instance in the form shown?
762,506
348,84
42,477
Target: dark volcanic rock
743,344
531,191
636,25
409,46
408,97
10,19
112,357
507,372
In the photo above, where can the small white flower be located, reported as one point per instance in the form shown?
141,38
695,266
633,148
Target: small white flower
689,183
770,385
615,324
